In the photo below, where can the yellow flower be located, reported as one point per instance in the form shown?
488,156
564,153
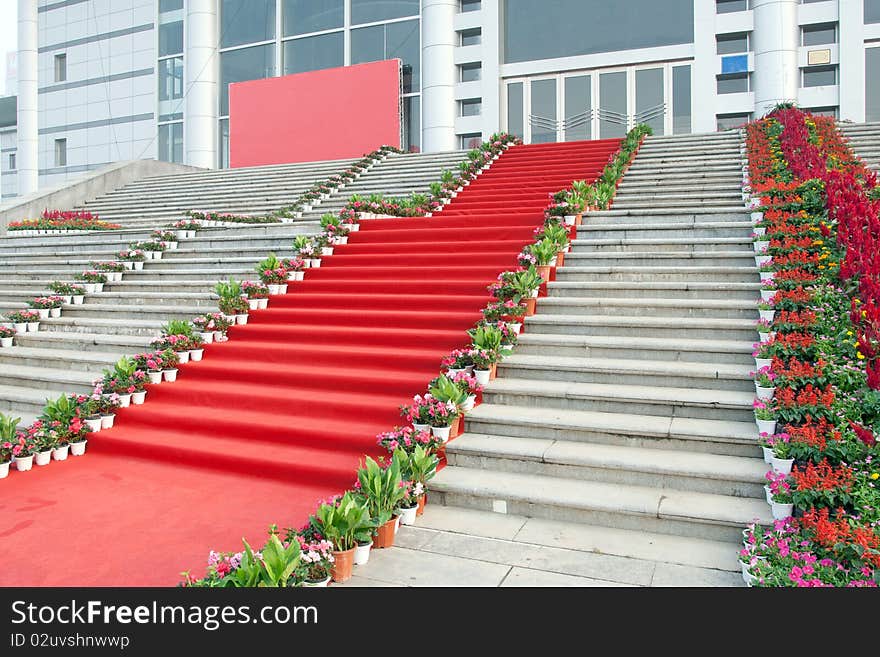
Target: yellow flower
849,332
875,476
860,356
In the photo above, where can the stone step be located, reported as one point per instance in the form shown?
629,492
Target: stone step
732,212
655,289
683,309
657,230
731,185
584,257
123,313
680,513
667,350
21,401
85,342
47,378
668,273
102,325
640,326
665,401
614,464
73,359
673,202
628,372
586,245
207,301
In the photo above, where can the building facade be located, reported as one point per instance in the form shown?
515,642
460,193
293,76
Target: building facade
107,80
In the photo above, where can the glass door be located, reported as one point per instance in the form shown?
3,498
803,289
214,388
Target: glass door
577,122
613,102
543,120
650,103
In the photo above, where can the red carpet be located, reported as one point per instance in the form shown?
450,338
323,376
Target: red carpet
279,417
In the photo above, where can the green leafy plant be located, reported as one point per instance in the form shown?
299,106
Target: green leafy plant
544,251
346,521
178,327
445,390
8,427
381,488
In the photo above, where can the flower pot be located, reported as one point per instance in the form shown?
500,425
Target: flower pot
362,554
423,499
139,265
207,337
218,336
452,372
24,463
298,275
763,260
170,375
184,356
320,583
767,295
343,561
55,313
107,421
124,401
155,377
757,216
94,424
764,393
314,262
767,315
421,427
78,449
544,272
253,304
781,511
763,362
171,245
33,327
760,245
469,403
274,288
569,219
241,319
384,536
20,327
408,516
5,342
766,426
196,354
4,470
493,371
326,250
767,494
263,303
782,466
181,234
482,376
157,255
78,299
43,313
530,302
128,264
43,458
283,288
89,288
441,432
768,454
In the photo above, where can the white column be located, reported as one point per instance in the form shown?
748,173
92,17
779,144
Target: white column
201,72
775,41
27,155
704,98
851,46
438,75
491,67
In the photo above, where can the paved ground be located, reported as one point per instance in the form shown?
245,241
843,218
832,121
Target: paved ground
461,547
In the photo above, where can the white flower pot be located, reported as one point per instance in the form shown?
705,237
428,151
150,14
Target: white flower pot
181,235
138,265
314,262
408,516
782,466
766,426
24,463
441,432
43,458
196,354
326,250
241,319
124,401
43,313
155,377
763,362
342,239
66,298
5,342
207,337
760,232
767,314
253,304
93,425
421,427
764,393
283,288
263,303
761,260
569,219
760,245
764,337
20,327
767,494
354,228
89,287
767,295
323,583
218,336
482,376
78,449
33,327
362,554
170,375
4,471
184,356
78,299
298,275
55,313
171,245
767,275
128,264
274,289
138,398
768,455
757,216
469,403
781,511
157,255
107,421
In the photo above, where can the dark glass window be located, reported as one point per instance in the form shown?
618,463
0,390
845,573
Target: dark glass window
470,107
820,76
304,16
469,141
681,99
170,38
471,72
730,121
728,6
412,124
470,5
245,64
313,53
390,41
731,44
818,35
872,11
872,84
171,142
564,28
171,78
246,21
170,5
733,84
515,109
371,11
472,37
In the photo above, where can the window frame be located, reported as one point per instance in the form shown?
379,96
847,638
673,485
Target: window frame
61,152
60,67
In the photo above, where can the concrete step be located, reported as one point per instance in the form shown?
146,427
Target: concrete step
663,349
123,313
665,401
104,325
655,289
20,401
657,230
206,301
682,513
628,372
668,273
614,464
680,308
47,378
642,326
732,212
73,359
683,245
583,257
85,342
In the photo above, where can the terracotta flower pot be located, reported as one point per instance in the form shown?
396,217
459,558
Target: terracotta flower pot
560,259
423,499
455,427
578,219
384,537
543,272
343,562
530,306
493,371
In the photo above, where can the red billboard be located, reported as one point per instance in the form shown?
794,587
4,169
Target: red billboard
331,114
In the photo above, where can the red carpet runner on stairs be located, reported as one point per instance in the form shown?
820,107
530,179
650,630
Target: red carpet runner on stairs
279,417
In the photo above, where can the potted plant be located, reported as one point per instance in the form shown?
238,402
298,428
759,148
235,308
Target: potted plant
170,361
766,311
45,439
764,385
46,306
765,417
483,362
782,460
8,440
258,294
342,523
544,252
458,361
469,385
781,502
272,274
112,270
107,405
316,562
133,257
420,467
383,492
763,354
205,326
24,320
441,416
196,347
294,267
232,302
93,281
418,413
6,335
23,449
167,236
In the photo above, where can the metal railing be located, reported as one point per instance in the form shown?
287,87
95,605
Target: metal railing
629,121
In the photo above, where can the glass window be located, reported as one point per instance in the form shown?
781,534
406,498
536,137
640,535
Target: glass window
470,141
245,64
470,5
313,53
728,6
681,100
578,103
412,124
170,38
818,35
304,16
394,40
733,84
246,21
470,107
731,44
515,109
872,11
731,121
542,117
649,99
613,104
171,142
470,72
171,78
60,68
566,28
372,11
822,111
472,37
170,5
819,76
60,152
12,161
224,143
872,84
